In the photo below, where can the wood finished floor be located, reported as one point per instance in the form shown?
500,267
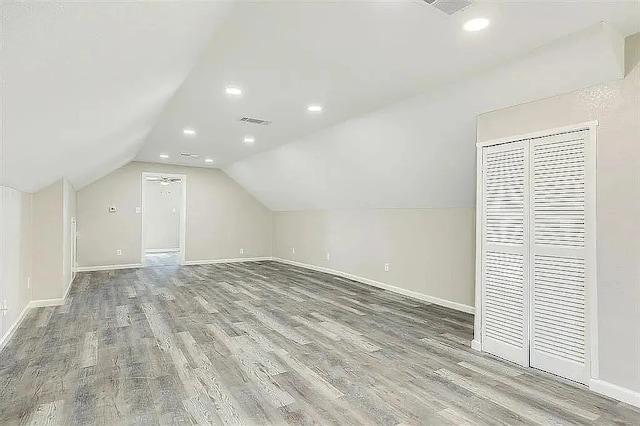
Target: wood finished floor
265,343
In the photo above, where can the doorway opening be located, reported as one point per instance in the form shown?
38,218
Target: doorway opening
163,219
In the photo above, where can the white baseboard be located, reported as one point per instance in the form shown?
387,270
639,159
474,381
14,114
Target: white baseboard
108,267
67,290
615,392
32,304
7,336
170,250
238,260
476,345
45,302
404,292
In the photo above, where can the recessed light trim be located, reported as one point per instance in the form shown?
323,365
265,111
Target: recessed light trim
208,160
249,139
234,91
314,108
165,156
476,24
189,131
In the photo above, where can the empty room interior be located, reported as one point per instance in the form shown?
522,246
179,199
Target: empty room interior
400,212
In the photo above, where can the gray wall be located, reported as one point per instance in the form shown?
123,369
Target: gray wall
15,236
617,107
430,251
161,212
221,217
48,243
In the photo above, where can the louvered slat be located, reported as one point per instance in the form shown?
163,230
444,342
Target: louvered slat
558,197
505,191
558,170
504,197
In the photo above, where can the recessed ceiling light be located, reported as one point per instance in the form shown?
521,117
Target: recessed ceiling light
208,160
233,91
249,139
314,108
189,132
476,24
164,155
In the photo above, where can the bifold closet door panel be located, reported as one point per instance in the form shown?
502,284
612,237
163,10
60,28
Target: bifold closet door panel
558,311
505,191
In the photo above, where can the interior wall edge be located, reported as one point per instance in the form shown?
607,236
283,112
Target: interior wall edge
42,303
616,392
412,294
234,260
12,329
108,267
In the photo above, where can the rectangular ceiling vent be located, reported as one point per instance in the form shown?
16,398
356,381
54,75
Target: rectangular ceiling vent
449,6
189,155
255,121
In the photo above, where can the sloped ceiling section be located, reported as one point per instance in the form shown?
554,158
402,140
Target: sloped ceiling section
84,82
421,153
352,57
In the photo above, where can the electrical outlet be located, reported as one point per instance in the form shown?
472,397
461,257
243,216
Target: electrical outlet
118,252
386,267
4,307
137,209
328,256
241,251
293,250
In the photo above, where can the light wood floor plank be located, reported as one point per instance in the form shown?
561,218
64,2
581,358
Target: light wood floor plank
263,343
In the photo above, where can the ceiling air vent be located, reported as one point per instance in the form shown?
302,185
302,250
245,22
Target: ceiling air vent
449,6
189,155
255,121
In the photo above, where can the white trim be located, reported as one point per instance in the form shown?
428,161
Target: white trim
32,304
109,267
476,345
412,294
7,336
477,320
169,250
588,125
616,392
183,212
68,288
237,260
45,302
591,258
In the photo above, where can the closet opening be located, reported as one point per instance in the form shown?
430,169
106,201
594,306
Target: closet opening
536,248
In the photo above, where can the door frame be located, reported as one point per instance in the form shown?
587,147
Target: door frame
591,293
183,212
74,247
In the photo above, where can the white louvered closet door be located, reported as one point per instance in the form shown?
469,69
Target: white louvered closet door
558,255
505,192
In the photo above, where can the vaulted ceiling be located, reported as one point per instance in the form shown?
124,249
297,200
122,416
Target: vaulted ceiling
88,87
84,82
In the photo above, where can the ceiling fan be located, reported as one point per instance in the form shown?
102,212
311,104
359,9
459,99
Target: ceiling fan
163,180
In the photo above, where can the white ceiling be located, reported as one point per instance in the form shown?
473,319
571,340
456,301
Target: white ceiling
84,82
351,57
421,153
89,86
